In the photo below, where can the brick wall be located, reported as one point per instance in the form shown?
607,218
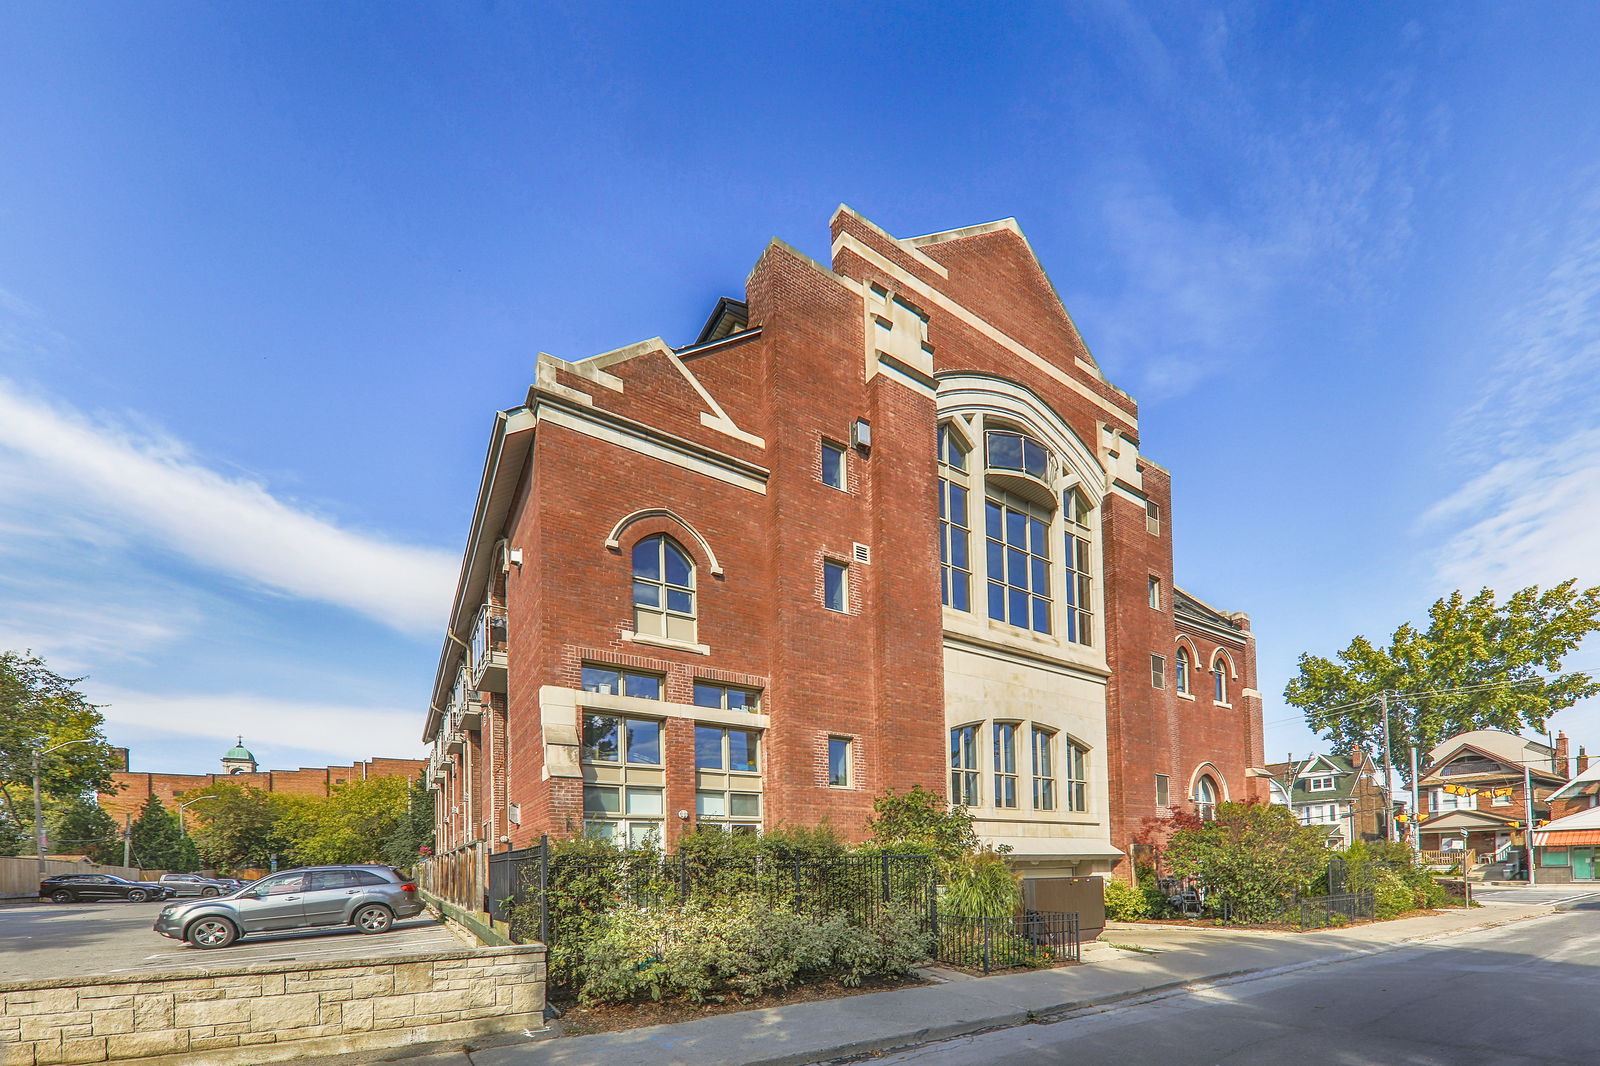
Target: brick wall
245,1015
133,790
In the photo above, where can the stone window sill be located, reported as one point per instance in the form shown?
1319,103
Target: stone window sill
667,642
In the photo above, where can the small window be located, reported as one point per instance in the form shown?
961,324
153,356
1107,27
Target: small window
1155,593
1005,764
1014,451
726,697
839,762
835,586
621,682
1158,672
1219,684
833,474
1320,784
1163,791
1152,517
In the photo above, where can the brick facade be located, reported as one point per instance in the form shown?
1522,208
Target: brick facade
718,446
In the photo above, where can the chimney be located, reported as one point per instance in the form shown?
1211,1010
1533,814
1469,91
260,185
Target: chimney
1562,766
1356,758
1583,759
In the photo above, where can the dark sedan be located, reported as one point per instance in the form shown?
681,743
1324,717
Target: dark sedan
77,888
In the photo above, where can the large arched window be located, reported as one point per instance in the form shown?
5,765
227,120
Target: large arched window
1219,678
663,589
1205,797
1182,678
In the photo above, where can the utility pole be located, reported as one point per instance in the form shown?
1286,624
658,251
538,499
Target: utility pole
1416,806
1527,827
1388,772
127,840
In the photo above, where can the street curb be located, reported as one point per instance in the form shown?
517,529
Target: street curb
1061,1011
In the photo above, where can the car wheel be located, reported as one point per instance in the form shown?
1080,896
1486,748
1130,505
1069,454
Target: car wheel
374,918
62,896
211,933
208,892
138,895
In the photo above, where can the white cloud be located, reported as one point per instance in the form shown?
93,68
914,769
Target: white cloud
155,491
335,732
1528,507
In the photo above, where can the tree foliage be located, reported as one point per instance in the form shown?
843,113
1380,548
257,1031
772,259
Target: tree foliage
1508,655
1256,855
920,821
354,822
414,831
40,709
158,842
78,826
237,827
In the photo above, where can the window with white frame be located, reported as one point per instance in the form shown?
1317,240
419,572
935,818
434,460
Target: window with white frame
1005,764
1078,590
1155,592
1018,552
663,589
727,778
964,766
1180,671
833,465
955,522
1321,784
614,681
624,789
726,697
1163,790
1044,769
835,586
1158,672
1219,680
840,750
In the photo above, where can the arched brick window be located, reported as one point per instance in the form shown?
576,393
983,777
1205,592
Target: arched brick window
663,589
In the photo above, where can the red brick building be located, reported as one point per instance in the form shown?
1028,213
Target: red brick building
133,790
882,524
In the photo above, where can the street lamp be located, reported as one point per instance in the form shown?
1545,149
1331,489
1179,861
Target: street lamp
183,830
38,804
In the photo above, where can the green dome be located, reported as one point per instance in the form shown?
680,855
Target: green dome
239,751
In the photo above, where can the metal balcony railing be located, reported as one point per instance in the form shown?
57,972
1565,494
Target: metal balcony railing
487,653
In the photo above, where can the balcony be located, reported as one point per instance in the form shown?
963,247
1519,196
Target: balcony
487,659
471,714
455,741
438,768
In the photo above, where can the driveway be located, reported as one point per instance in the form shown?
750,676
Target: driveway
48,940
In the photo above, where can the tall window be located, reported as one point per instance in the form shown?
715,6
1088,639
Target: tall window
626,802
955,524
1163,791
663,589
1080,584
1019,562
1152,517
1044,769
1158,672
1014,451
1076,791
835,586
1219,680
964,766
839,762
1205,797
1181,671
1005,764
833,465
1155,593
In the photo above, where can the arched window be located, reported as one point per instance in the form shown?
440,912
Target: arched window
1205,797
663,589
1219,678
1183,670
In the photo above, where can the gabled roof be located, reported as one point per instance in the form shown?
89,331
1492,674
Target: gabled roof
1340,767
1192,609
1579,784
1511,752
728,317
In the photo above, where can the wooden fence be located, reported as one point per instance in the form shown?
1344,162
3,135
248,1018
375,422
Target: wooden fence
19,874
460,876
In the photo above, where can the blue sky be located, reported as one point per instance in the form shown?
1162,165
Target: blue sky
267,270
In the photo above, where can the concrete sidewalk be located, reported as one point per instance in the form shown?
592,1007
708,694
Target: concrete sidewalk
1167,958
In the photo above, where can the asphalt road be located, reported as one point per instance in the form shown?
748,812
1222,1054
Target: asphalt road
1520,994
44,940
1532,895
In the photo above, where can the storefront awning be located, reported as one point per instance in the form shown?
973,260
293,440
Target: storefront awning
1563,838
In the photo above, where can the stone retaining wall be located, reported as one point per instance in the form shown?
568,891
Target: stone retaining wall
266,1013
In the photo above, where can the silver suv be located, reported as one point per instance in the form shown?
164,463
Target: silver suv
371,898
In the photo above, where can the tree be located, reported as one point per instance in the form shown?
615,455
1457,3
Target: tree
355,822
40,709
1255,855
414,831
1479,664
79,826
918,820
237,828
158,841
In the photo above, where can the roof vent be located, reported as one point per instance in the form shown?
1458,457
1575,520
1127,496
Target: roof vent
863,554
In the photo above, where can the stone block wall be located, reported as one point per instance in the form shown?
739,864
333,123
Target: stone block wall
256,1014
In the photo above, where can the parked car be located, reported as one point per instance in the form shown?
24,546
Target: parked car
194,885
73,888
370,898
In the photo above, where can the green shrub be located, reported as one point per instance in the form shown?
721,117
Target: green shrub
1125,903
1391,895
742,947
980,885
1253,855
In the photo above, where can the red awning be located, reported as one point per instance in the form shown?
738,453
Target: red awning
1561,838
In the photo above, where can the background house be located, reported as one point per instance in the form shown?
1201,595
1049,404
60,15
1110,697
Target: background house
1340,794
1475,797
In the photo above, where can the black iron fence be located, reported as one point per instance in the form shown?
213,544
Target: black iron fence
1321,912
987,944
